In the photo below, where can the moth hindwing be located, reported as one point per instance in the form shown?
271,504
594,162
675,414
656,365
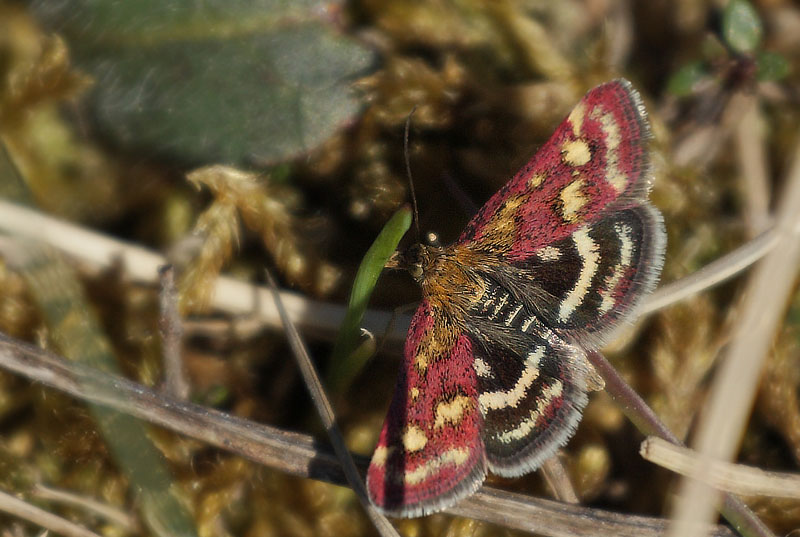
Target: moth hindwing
494,375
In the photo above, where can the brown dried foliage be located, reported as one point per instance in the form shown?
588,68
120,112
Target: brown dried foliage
489,82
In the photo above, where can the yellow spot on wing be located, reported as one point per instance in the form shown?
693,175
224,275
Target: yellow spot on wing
457,457
381,455
573,200
576,118
482,369
421,360
535,180
451,412
614,175
414,438
576,152
548,253
500,232
414,393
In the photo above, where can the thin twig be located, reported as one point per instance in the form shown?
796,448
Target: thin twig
751,150
716,272
35,515
101,252
648,423
320,319
556,519
733,390
557,478
736,478
299,454
110,513
175,382
326,414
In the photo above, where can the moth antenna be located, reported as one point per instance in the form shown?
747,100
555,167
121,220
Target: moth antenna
408,173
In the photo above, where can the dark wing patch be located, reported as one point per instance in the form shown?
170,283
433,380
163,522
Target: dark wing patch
589,283
532,393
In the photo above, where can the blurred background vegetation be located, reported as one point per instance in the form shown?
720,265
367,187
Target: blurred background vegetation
105,107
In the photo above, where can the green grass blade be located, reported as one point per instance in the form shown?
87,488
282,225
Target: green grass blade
346,363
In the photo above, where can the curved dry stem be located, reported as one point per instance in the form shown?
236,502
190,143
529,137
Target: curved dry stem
557,478
751,155
643,417
736,478
716,272
35,515
320,319
326,414
110,513
721,425
299,454
101,252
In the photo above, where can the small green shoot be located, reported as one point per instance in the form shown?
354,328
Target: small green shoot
771,66
683,82
725,56
349,356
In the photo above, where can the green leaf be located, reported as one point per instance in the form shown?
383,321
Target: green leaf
683,81
741,26
771,66
234,81
345,363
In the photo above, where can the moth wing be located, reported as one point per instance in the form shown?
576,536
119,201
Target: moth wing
532,387
597,156
430,453
581,243
587,284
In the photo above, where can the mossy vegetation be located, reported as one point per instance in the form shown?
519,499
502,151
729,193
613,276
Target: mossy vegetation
316,139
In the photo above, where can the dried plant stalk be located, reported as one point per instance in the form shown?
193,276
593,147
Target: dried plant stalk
720,429
99,251
736,478
14,506
300,454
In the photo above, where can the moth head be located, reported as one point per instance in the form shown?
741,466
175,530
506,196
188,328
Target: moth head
416,260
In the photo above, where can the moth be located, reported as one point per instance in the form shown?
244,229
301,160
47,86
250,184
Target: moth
494,373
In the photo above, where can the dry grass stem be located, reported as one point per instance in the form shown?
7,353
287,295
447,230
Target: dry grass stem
753,168
714,273
299,454
320,319
326,414
557,478
18,508
175,382
101,252
619,35
110,513
733,390
643,417
736,478
556,519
